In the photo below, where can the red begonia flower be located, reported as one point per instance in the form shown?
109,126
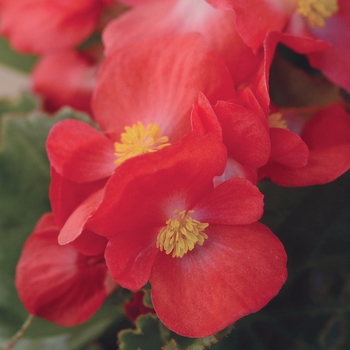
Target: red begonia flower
166,17
326,135
233,260
65,78
34,26
308,27
59,283
155,96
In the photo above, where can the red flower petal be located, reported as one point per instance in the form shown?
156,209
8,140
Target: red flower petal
75,224
143,191
236,170
65,78
254,19
288,148
203,118
324,165
32,27
172,17
245,136
66,195
328,127
234,202
90,244
130,256
79,152
240,266
58,283
157,81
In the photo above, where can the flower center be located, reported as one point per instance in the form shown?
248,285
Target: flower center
317,11
181,234
138,140
276,120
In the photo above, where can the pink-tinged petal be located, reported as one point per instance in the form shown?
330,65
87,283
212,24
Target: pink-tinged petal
139,2
240,266
90,244
234,169
234,202
34,27
245,136
203,118
335,61
328,127
65,195
65,78
59,284
255,19
144,191
79,152
181,16
288,148
75,224
300,44
157,81
130,256
324,165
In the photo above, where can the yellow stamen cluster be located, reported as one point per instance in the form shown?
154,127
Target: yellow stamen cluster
181,234
276,120
317,11
138,140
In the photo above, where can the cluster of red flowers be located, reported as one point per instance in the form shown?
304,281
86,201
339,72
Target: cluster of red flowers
162,188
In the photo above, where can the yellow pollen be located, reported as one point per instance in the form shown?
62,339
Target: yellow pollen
138,140
317,11
181,234
276,120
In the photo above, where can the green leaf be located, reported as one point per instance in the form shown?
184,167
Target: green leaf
147,301
151,334
24,184
24,104
11,58
146,336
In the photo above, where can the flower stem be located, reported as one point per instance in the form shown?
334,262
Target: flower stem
20,333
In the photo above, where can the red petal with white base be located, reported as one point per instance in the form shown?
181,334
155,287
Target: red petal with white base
255,19
171,17
240,266
157,81
144,191
79,152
